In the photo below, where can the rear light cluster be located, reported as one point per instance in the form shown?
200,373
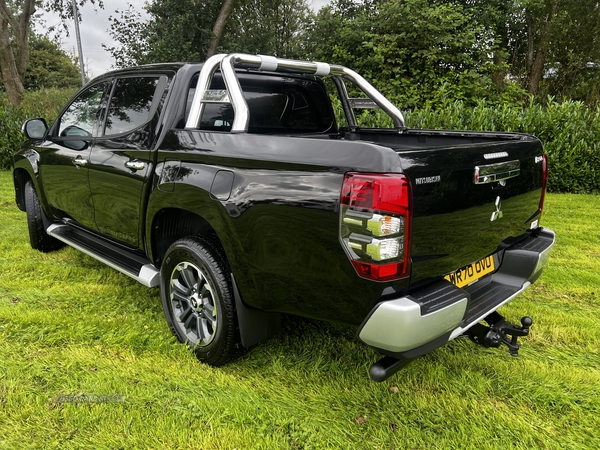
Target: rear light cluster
375,219
544,181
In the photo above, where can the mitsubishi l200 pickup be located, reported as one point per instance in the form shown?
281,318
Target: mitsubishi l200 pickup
238,189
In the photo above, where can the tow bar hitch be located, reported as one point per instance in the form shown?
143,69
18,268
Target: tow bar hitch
498,332
494,335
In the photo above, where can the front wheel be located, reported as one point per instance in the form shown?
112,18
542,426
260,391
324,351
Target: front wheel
198,300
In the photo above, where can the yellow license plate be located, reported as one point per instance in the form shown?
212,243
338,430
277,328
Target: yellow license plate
471,273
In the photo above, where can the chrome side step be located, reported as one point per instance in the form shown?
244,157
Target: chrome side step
128,263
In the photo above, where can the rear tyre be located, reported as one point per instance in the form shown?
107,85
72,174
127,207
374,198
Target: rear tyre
198,300
38,238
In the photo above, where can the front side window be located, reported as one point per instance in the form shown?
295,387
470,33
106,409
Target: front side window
131,104
81,116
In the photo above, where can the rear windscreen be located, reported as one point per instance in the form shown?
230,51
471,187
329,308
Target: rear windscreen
278,105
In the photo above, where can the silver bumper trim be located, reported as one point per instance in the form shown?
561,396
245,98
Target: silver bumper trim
398,326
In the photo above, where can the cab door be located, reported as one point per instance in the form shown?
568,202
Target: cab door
121,159
65,156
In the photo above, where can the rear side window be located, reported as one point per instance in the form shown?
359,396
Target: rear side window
217,117
131,104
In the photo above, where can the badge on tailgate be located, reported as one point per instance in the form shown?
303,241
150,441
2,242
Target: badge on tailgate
473,272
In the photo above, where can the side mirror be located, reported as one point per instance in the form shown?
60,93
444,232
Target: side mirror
35,129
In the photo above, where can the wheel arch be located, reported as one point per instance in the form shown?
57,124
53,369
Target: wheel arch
20,178
171,224
25,166
174,222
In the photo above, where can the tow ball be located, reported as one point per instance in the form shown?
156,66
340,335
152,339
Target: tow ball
499,331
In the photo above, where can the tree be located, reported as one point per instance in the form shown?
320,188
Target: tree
543,43
180,30
494,17
565,38
192,30
219,27
574,61
414,51
177,30
129,31
15,25
269,27
49,66
14,46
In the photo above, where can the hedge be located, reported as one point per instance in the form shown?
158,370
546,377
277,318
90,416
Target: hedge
570,131
45,103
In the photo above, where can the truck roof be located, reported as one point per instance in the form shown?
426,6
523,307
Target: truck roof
149,68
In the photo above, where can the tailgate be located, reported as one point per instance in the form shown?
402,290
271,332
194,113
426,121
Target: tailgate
470,200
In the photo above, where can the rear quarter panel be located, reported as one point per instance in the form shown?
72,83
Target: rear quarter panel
279,223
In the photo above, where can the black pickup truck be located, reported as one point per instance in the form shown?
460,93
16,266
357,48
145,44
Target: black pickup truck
239,189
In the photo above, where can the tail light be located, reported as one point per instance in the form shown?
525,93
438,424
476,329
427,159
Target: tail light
375,219
544,181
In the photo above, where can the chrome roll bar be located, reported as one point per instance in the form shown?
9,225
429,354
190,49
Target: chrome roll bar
204,79
235,96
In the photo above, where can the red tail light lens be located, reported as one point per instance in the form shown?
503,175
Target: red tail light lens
544,181
384,192
375,221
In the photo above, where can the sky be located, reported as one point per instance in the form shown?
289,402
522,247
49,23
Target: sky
94,28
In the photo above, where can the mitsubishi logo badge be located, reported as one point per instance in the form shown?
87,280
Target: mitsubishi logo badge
498,213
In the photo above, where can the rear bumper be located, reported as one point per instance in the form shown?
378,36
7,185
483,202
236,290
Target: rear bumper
415,324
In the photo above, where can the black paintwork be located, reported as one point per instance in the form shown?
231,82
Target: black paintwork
273,200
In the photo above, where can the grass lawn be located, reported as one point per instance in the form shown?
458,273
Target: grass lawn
87,361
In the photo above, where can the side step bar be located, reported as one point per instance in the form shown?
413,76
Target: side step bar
128,263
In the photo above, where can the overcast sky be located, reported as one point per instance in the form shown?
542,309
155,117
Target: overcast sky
94,32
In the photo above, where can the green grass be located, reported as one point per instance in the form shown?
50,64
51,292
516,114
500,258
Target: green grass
69,326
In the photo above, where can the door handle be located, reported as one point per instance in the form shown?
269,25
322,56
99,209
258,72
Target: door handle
496,172
79,161
135,164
